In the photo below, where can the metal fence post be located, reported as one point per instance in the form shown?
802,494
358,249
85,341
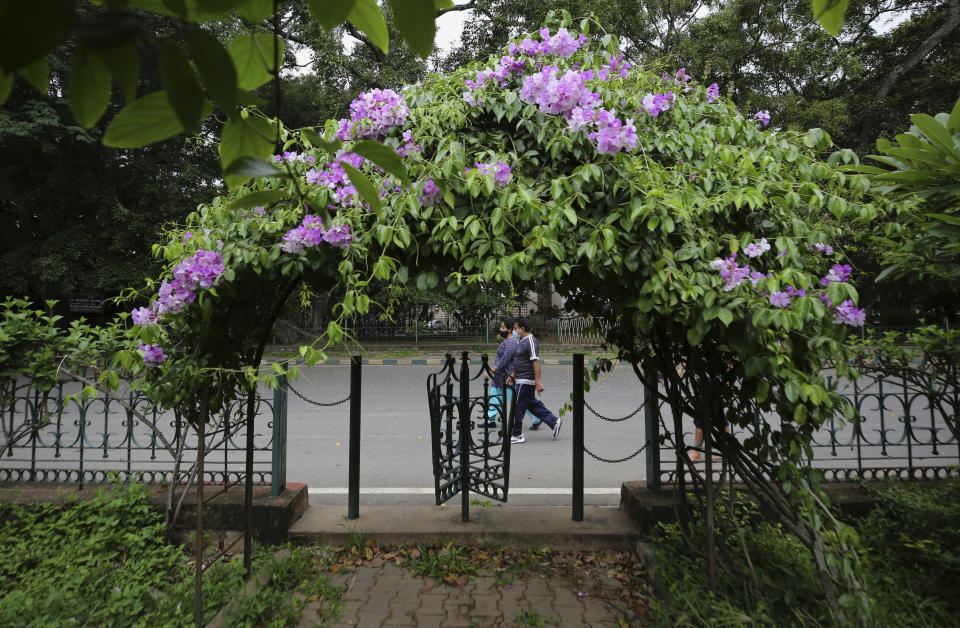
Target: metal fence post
279,466
353,490
651,415
465,437
578,437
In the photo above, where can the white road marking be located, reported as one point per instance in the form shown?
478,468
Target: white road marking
342,490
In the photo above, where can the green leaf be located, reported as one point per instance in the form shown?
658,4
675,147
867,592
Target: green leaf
29,30
38,74
953,122
124,65
367,190
145,121
261,197
256,11
89,87
245,137
215,67
253,58
936,133
248,166
180,83
694,337
366,16
416,21
330,13
385,157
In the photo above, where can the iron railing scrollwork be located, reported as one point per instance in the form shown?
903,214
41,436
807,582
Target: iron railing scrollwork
58,437
466,462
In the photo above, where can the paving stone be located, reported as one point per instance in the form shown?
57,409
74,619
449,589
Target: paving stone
426,620
538,586
401,616
432,603
486,605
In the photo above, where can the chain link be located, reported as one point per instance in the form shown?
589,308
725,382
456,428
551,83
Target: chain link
318,403
600,416
633,455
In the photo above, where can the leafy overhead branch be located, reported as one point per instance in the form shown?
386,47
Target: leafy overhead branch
925,48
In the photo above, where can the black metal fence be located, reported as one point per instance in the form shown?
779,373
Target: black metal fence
901,434
58,437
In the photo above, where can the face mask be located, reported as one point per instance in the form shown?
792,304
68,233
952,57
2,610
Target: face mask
516,334
504,333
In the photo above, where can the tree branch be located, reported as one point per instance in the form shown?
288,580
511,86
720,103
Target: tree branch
457,7
377,53
922,51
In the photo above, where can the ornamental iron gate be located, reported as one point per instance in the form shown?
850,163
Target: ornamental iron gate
465,460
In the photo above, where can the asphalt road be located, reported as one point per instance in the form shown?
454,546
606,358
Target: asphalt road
395,437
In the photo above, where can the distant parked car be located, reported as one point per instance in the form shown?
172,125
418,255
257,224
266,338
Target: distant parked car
436,325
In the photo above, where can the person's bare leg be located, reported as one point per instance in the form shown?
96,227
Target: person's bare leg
697,440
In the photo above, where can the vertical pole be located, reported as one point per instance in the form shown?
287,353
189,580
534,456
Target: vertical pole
651,417
465,437
578,437
278,481
487,319
416,325
198,540
248,485
353,497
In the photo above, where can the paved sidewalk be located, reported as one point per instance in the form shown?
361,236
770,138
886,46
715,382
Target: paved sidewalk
388,595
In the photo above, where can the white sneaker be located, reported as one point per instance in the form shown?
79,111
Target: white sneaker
556,429
515,440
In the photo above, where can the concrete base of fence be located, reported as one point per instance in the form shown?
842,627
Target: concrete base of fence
272,516
646,508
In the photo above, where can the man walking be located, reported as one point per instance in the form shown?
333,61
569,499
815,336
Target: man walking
526,376
501,392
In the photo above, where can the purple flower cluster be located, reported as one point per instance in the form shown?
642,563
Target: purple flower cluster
612,134
373,114
500,72
339,237
309,233
756,249
143,316
334,177
735,274
839,272
763,117
683,79
152,355
655,104
713,92
559,95
499,170
408,147
615,67
848,314
200,271
430,194
294,156
562,44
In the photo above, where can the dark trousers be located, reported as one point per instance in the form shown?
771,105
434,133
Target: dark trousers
527,402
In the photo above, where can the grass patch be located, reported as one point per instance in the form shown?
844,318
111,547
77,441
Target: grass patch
107,562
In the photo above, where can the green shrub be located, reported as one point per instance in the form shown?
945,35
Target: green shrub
102,562
911,558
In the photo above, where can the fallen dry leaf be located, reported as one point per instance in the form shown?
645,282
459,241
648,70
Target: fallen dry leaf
463,580
414,553
427,588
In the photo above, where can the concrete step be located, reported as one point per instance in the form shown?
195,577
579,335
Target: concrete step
528,527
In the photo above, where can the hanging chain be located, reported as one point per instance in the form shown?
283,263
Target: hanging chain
318,403
633,455
600,416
